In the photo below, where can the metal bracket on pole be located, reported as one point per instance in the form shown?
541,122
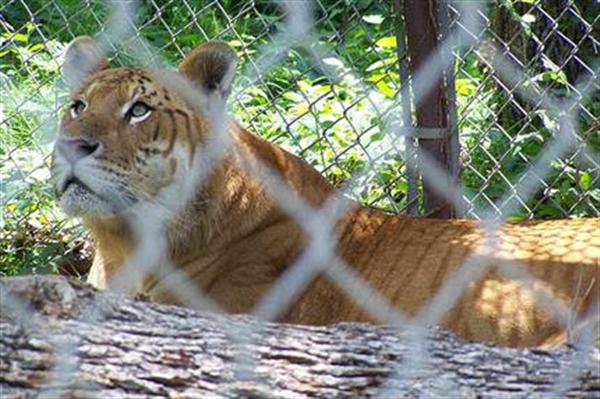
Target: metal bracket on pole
426,132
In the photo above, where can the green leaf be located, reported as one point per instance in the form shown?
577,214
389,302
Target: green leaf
295,97
548,211
519,217
334,62
36,47
552,76
374,19
386,42
20,37
528,18
235,43
382,63
385,89
585,180
304,86
465,87
565,185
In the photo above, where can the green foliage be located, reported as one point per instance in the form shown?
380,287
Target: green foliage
340,125
504,135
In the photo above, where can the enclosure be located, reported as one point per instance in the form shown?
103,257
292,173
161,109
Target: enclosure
333,99
499,119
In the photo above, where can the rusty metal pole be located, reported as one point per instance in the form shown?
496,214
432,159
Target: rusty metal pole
406,104
423,34
453,133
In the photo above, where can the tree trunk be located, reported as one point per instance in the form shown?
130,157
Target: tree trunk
61,338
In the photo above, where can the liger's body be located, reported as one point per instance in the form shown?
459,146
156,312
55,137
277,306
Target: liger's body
232,239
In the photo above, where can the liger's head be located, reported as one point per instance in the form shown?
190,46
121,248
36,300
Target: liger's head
128,132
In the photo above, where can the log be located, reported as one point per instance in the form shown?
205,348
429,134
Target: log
62,338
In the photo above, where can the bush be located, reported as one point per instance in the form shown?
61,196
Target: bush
340,125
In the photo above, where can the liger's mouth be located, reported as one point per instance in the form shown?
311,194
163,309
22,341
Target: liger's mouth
73,182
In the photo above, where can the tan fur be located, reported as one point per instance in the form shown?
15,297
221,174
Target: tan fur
233,241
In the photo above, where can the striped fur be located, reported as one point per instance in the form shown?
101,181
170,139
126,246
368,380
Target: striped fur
233,240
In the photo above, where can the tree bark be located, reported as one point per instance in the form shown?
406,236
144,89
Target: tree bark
62,338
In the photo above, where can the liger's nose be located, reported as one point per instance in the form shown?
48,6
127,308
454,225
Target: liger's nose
75,149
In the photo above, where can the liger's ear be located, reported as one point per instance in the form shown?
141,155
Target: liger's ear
211,66
83,57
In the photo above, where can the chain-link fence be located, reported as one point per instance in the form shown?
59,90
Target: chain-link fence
325,81
556,45
332,123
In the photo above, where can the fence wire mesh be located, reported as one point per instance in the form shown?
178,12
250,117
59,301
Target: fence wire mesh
322,80
295,105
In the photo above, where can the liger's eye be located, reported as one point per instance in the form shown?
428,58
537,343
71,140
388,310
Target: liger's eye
138,112
77,107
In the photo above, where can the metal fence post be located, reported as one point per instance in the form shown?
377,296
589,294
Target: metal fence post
406,103
422,36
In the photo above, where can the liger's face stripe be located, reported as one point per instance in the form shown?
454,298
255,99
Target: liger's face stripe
138,153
